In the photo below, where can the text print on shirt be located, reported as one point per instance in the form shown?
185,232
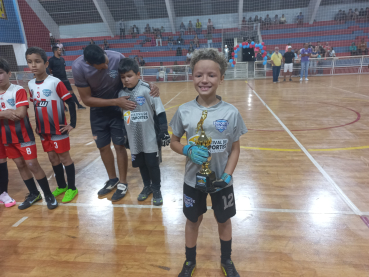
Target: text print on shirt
216,146
136,116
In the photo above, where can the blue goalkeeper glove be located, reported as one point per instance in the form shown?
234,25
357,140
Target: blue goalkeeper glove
224,181
197,154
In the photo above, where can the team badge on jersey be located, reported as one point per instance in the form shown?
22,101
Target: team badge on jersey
113,73
46,92
140,100
127,117
188,201
221,125
11,102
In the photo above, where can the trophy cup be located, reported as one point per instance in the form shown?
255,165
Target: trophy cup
204,178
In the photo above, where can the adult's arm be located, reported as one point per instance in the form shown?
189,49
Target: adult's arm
123,102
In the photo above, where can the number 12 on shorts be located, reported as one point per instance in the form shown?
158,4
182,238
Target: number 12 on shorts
228,201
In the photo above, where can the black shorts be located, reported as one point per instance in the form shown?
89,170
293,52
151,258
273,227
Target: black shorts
67,85
149,159
194,203
107,125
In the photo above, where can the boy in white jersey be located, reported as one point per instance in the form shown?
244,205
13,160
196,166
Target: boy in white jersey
48,95
147,121
224,125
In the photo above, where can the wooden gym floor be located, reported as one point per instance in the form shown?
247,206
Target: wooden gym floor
301,191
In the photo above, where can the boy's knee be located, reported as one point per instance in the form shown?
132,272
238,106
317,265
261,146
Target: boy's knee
65,158
20,163
105,148
53,158
33,165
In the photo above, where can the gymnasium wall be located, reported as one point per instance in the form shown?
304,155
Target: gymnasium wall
10,28
36,32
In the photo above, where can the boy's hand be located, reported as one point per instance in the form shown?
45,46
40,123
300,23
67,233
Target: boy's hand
165,138
66,129
125,104
223,181
154,92
197,154
11,115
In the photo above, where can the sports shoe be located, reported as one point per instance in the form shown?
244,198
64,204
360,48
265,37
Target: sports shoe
7,200
120,192
108,187
284,80
188,269
80,107
157,199
146,191
51,202
69,195
306,79
29,201
59,191
229,269
300,79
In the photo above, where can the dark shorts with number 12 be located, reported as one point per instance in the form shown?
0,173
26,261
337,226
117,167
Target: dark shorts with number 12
194,203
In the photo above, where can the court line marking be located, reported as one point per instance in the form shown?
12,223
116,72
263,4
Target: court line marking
19,221
133,206
363,95
175,97
317,165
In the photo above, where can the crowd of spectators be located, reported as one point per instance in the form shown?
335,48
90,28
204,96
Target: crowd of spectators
268,21
342,16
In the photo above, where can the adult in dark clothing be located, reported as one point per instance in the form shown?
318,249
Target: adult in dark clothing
57,68
288,60
97,79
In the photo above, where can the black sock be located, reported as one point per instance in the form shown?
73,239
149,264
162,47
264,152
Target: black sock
44,184
74,97
59,176
226,250
154,176
191,254
71,176
145,174
31,185
4,177
114,180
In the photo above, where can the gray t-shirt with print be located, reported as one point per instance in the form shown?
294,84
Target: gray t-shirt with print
140,123
223,124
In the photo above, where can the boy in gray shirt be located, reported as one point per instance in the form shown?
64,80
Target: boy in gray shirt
224,124
147,128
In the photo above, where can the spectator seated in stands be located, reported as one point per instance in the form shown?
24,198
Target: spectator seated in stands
327,49
182,29
343,17
256,19
198,27
332,53
356,13
362,14
147,29
52,41
190,27
162,29
267,21
363,49
282,20
321,49
180,40
300,19
170,42
176,69
210,26
353,49
158,39
196,40
142,61
130,31
191,49
259,56
311,45
106,45
137,59
276,20
250,20
197,46
338,15
161,72
92,41
189,56
350,15
135,31
60,46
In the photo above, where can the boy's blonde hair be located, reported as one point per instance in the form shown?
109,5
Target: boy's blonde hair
211,54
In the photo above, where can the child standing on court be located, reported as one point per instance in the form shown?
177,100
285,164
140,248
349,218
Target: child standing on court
147,130
18,143
48,95
224,125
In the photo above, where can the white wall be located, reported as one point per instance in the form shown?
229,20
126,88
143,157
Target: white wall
219,20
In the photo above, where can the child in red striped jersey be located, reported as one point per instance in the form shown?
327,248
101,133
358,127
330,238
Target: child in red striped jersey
48,95
19,142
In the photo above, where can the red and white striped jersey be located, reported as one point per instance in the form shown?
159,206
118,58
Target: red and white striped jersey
15,131
48,99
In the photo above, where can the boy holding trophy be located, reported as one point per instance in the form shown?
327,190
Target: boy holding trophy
212,154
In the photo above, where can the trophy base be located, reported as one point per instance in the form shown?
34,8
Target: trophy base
204,182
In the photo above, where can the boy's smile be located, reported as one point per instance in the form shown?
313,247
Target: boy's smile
207,77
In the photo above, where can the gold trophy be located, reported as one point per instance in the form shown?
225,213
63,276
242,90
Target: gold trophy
206,177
